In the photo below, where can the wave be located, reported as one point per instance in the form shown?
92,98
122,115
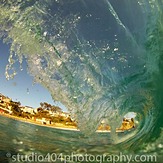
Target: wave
100,59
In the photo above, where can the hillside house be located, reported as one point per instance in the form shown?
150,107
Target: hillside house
4,98
43,121
28,109
65,115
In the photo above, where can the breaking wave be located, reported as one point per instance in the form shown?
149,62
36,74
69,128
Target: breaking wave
100,59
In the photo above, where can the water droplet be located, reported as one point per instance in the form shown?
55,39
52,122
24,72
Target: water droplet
160,146
27,90
59,63
115,49
45,33
20,150
16,141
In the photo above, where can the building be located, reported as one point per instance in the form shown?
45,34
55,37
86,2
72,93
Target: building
43,121
27,109
64,114
5,103
54,114
4,100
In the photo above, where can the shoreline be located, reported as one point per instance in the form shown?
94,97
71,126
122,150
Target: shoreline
56,126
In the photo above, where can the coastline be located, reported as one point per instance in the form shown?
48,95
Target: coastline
6,104
56,125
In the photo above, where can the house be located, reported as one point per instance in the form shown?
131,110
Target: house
54,114
64,114
35,110
3,110
27,109
43,121
46,121
5,103
4,99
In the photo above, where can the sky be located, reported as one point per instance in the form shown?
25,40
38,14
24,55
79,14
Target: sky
21,87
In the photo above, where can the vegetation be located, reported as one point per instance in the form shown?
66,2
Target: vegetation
52,114
42,112
46,106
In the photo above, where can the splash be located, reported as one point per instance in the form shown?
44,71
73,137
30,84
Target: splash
100,65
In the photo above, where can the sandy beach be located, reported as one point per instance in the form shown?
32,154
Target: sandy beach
56,125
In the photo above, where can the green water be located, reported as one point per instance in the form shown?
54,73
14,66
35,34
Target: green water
19,138
101,59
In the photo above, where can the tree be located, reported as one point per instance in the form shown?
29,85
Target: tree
15,108
46,106
56,109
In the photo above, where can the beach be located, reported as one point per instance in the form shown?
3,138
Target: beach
56,125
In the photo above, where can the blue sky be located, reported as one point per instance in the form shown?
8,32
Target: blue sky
21,88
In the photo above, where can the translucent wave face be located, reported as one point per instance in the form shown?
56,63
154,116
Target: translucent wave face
89,55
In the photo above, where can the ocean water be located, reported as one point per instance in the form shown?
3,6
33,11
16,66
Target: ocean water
101,59
22,138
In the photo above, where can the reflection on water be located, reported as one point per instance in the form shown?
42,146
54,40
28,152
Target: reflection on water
26,139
